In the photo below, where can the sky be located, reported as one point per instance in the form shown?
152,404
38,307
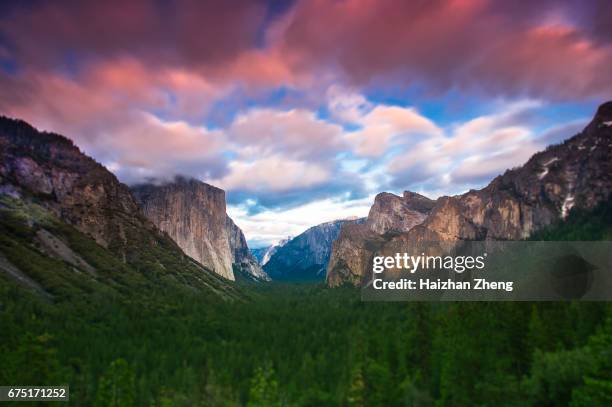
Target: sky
303,111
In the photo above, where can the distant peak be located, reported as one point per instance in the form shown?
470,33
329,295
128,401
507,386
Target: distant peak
604,112
385,196
413,195
179,181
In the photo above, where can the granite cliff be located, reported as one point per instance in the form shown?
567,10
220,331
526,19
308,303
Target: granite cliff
390,215
574,174
194,216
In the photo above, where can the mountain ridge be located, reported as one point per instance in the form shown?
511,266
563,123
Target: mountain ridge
63,211
523,200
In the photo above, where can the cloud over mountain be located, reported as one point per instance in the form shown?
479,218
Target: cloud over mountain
293,104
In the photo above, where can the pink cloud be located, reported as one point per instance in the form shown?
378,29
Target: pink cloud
385,126
273,173
106,111
494,47
296,133
187,32
545,49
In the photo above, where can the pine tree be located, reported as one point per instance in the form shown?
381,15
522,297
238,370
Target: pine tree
597,387
117,387
264,388
356,394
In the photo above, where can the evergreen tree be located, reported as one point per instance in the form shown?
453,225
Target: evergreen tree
264,388
117,386
356,393
597,387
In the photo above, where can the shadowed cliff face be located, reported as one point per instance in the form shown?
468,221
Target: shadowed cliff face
74,187
574,174
305,257
242,258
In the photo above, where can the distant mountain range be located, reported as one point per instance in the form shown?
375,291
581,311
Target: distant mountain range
305,257
576,174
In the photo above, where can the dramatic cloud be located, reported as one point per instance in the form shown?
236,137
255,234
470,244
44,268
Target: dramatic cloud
471,153
304,110
184,33
150,148
385,126
543,48
272,174
296,133
111,112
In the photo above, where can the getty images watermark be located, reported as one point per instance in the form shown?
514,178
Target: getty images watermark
492,271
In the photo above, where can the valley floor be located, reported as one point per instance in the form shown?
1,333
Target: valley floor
306,345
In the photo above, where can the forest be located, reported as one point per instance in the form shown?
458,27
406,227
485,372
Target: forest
307,345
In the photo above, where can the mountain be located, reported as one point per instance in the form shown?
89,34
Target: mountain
389,215
69,225
193,214
393,214
305,257
576,174
263,254
259,253
243,261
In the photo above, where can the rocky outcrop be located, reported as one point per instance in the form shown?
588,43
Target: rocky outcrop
243,260
193,214
54,199
51,169
574,174
394,214
390,215
305,257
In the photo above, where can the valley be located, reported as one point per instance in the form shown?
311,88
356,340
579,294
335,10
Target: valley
151,295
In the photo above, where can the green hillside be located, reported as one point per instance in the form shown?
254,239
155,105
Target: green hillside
146,339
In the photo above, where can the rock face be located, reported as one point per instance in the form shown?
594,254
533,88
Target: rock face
62,203
305,257
243,260
393,214
574,174
77,189
390,215
193,214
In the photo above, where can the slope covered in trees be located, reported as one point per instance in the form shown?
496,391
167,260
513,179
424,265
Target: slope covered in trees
307,345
